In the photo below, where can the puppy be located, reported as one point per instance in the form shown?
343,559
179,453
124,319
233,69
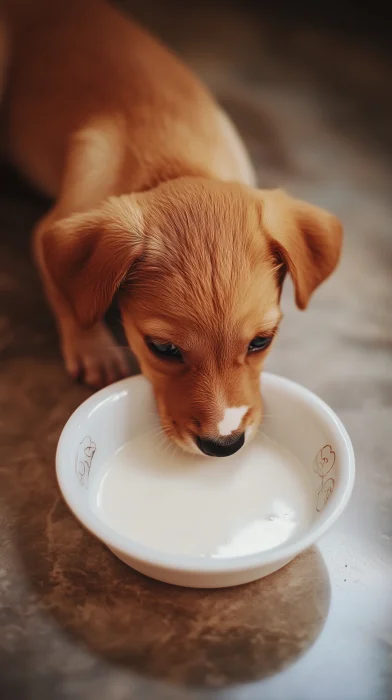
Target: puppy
154,204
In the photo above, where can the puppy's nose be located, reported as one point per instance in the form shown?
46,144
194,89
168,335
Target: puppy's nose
223,447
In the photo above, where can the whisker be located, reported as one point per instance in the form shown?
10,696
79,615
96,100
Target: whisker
166,446
156,431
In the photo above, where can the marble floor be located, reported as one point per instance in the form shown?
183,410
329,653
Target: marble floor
315,108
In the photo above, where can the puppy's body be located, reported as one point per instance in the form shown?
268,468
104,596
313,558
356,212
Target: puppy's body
87,83
154,201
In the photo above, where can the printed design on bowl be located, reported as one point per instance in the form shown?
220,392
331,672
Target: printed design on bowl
84,457
322,465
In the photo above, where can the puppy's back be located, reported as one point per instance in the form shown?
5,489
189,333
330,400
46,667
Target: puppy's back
85,64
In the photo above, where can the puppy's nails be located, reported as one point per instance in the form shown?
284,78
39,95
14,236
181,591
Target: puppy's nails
74,370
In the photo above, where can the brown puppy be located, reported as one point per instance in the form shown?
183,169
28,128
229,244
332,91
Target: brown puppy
154,202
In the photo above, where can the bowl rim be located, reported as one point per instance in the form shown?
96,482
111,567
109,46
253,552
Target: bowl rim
210,565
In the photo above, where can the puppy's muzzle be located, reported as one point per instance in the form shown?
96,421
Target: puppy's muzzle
222,447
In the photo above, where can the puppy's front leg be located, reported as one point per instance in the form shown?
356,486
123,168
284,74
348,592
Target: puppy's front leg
90,354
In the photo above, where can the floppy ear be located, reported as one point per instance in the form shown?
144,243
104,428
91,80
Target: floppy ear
88,255
306,238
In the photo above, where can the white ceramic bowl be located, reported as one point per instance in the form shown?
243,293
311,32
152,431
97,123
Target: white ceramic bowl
298,420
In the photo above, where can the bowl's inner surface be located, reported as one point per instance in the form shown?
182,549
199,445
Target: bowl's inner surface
195,506
136,484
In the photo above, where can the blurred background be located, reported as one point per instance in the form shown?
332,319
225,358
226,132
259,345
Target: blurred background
309,86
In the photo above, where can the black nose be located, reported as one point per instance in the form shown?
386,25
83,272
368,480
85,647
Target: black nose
223,447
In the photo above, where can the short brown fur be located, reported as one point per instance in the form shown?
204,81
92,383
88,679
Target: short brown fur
155,203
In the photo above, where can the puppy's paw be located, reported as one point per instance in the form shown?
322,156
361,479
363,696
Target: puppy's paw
93,356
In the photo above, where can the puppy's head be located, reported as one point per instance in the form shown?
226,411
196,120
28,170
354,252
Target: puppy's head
198,267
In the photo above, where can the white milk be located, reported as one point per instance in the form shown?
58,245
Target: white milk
160,497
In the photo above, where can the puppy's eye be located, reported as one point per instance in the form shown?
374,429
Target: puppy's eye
166,351
261,342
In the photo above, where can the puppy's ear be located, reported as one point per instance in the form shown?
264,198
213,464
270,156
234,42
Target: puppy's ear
306,238
88,255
